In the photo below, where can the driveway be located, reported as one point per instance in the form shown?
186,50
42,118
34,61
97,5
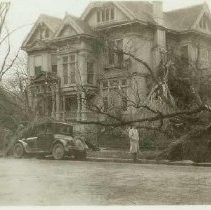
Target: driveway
66,182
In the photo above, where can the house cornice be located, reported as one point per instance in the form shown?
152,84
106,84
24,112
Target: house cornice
74,37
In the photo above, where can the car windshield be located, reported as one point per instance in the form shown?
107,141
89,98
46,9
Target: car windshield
63,129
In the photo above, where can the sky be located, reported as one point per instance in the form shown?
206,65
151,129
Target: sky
26,12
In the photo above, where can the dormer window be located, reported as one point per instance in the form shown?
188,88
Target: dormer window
203,22
98,16
112,13
105,15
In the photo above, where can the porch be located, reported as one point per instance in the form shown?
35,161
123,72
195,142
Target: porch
73,107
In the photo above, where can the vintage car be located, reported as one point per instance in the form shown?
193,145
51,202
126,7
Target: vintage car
50,138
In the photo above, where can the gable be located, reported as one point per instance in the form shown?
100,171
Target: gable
203,22
41,32
72,26
66,31
104,13
44,28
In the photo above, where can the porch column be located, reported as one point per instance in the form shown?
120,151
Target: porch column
63,108
35,106
58,116
79,106
83,106
53,111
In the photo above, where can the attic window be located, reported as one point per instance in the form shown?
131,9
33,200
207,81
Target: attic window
203,22
98,16
104,15
44,32
112,13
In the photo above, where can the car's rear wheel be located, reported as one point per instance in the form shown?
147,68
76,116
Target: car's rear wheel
18,150
58,151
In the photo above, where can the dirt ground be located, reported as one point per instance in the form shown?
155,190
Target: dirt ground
66,182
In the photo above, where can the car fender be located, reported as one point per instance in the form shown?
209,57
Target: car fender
25,145
62,141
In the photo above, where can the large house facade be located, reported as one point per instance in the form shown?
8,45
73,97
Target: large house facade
66,65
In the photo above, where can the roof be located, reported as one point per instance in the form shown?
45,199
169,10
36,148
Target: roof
182,19
80,26
178,20
141,10
52,22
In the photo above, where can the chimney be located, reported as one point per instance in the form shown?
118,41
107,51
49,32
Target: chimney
158,12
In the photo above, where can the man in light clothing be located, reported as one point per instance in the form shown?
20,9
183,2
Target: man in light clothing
134,142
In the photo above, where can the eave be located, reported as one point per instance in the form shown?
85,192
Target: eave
74,37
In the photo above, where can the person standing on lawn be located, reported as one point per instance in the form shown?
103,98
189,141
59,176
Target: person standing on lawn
134,142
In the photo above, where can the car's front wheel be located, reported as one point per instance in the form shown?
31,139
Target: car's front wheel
58,151
18,150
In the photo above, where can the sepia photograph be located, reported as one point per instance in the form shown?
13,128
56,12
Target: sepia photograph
105,103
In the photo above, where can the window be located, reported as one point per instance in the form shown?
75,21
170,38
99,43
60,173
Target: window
116,89
72,68
104,15
204,54
90,72
107,14
119,45
37,65
54,69
111,53
112,13
65,59
204,58
105,84
105,104
184,53
114,83
98,16
54,64
37,70
124,82
69,68
65,69
203,22
124,103
65,73
116,58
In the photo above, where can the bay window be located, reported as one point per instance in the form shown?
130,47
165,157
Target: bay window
54,64
115,55
72,68
65,70
69,69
